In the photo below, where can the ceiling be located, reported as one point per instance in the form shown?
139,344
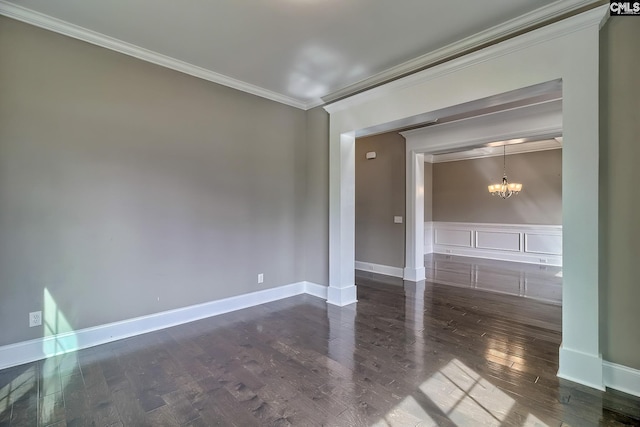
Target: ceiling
299,52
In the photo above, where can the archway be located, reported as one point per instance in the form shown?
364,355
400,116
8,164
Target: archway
566,51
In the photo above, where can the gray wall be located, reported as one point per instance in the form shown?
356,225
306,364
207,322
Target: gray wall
428,192
316,228
619,194
380,195
128,189
460,189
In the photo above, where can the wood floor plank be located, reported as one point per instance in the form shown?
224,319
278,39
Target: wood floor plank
451,355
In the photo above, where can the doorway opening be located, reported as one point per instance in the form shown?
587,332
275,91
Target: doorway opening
546,56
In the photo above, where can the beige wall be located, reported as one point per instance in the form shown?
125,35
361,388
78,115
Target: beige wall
619,194
127,188
380,195
428,192
122,182
316,228
460,189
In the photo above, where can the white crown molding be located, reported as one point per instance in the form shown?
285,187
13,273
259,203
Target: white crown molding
480,153
313,104
71,30
546,33
528,20
489,36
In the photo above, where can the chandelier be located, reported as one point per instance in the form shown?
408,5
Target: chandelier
505,189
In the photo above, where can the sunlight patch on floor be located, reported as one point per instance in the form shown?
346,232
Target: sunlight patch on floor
64,341
17,388
456,393
407,412
533,421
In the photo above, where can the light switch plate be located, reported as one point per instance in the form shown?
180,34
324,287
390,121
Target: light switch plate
397,220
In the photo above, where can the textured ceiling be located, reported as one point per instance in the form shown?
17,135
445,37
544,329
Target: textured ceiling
302,50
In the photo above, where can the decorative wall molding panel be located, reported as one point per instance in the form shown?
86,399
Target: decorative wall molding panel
428,237
535,244
37,349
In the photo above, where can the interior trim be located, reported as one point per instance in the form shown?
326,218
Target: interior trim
483,152
487,37
483,38
387,270
41,348
622,378
80,33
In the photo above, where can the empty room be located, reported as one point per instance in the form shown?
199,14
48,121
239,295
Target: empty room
305,212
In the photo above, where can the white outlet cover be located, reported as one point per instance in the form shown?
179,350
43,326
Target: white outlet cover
260,278
397,220
35,319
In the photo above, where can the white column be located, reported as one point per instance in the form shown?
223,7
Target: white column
414,251
580,357
342,218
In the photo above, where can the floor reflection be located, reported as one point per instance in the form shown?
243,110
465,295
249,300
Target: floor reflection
405,354
540,282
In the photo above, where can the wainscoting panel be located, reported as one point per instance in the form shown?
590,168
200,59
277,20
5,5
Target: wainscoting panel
543,244
498,240
453,237
535,244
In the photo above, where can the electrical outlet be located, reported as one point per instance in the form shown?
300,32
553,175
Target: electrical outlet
260,278
35,319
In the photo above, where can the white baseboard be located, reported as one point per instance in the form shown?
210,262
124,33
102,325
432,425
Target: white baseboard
581,368
37,349
501,256
316,290
621,378
414,274
614,376
379,268
342,296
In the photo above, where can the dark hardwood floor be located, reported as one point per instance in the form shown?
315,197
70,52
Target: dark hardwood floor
541,282
418,354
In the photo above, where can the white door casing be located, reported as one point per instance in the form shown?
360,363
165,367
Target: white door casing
566,50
